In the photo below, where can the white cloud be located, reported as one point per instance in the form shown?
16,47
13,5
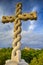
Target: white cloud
35,8
6,35
6,38
32,26
32,22
1,12
34,40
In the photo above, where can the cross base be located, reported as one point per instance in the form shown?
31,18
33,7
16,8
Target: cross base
22,62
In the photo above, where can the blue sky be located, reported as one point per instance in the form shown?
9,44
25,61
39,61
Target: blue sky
32,31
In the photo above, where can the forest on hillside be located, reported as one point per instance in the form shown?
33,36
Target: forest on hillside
32,56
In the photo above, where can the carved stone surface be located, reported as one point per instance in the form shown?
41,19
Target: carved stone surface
22,62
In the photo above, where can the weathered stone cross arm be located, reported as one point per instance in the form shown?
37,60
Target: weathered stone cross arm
25,16
28,16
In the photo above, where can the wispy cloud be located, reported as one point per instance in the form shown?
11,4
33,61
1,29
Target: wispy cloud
6,38
6,35
31,26
34,40
35,8
32,22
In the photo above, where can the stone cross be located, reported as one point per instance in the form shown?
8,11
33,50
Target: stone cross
16,53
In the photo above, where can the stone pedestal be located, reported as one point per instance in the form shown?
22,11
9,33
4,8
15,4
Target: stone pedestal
22,62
